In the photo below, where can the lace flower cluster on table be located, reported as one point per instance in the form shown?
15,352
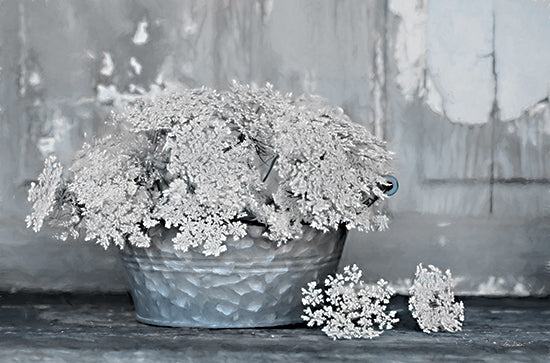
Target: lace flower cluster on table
432,302
208,163
348,308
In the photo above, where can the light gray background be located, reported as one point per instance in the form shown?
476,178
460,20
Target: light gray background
458,88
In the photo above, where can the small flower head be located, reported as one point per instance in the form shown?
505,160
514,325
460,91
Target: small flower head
43,193
432,301
348,308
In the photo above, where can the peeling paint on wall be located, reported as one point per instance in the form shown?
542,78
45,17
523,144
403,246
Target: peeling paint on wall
112,96
442,51
493,286
141,35
23,55
523,55
498,286
34,79
107,65
445,51
136,66
410,44
264,8
378,87
57,130
459,52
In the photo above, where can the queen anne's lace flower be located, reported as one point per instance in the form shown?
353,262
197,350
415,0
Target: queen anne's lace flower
348,308
43,193
206,163
432,301
116,203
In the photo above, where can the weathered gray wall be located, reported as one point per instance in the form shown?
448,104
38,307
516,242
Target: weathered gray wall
439,80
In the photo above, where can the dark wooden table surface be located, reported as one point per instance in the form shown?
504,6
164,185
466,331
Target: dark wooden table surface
90,328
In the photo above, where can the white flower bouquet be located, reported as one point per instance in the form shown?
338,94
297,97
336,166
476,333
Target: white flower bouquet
209,163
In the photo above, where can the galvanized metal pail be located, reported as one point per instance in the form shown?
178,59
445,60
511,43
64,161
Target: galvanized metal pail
253,284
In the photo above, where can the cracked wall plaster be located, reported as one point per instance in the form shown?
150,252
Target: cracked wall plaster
523,55
444,52
141,35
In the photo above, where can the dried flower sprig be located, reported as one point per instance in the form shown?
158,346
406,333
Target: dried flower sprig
207,163
43,193
348,308
432,302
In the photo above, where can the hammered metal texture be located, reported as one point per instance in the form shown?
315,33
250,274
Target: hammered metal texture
252,284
